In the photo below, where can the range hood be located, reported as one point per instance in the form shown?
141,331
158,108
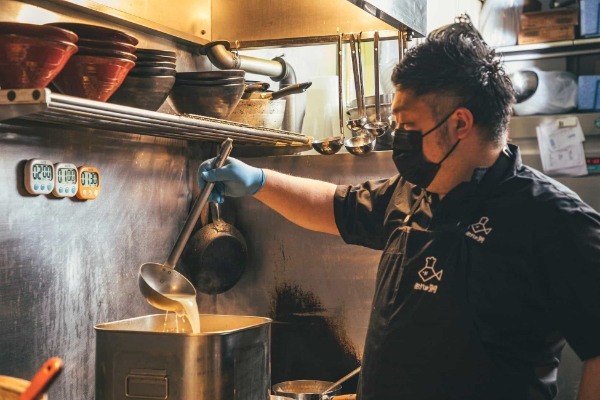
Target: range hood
254,23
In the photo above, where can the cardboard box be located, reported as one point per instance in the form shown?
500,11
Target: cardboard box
588,93
547,34
545,19
590,18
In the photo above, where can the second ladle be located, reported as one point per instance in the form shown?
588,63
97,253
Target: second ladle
332,144
160,284
377,128
357,124
363,143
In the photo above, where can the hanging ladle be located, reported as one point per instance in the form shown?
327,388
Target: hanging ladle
377,128
333,144
360,143
160,284
359,123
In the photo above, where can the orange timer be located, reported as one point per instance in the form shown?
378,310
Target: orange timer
88,187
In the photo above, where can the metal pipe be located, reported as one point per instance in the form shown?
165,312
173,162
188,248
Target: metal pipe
277,69
340,70
223,58
291,117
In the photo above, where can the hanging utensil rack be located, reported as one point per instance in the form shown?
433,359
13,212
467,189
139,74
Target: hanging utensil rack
43,105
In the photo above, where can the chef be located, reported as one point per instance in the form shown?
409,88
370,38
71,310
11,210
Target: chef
487,267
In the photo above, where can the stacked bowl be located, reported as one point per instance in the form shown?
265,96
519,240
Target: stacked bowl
32,55
211,93
100,66
149,83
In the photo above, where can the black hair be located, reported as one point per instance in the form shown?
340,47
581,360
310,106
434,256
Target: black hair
456,62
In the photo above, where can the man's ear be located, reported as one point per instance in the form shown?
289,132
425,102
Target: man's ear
464,122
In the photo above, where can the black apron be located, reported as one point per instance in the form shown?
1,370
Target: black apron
422,342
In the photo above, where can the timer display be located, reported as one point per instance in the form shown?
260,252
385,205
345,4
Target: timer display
39,176
88,187
65,183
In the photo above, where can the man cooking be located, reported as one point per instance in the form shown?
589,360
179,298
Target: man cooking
487,265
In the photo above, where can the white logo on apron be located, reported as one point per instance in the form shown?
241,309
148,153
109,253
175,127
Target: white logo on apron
427,273
479,230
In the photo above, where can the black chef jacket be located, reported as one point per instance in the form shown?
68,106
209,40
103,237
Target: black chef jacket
530,251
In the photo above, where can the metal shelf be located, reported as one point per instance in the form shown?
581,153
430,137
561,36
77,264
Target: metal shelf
48,107
537,51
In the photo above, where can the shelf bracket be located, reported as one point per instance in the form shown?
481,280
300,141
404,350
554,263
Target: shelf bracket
15,103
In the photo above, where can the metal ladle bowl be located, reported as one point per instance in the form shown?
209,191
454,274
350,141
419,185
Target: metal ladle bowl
356,125
360,145
377,128
329,145
160,284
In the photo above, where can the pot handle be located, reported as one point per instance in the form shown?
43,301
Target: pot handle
343,397
291,89
257,87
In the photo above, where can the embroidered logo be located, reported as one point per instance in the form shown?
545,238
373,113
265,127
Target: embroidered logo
427,273
479,230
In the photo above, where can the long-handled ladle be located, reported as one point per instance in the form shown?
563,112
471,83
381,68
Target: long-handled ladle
160,284
333,144
359,123
377,128
361,143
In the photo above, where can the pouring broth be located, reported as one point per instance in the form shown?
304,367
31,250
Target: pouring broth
190,309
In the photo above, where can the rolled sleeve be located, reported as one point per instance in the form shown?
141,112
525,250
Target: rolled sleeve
360,212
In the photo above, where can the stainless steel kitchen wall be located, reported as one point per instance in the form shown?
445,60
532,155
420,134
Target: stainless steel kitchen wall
67,264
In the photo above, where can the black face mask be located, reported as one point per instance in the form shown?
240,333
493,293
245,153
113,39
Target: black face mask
407,152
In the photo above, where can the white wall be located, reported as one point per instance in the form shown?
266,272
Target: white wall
442,12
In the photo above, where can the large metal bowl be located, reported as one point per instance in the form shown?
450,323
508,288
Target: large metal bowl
259,112
305,389
385,108
211,101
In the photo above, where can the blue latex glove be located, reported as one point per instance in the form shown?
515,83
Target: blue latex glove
234,179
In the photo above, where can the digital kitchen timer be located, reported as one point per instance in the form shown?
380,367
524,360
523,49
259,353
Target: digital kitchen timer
39,176
65,181
88,186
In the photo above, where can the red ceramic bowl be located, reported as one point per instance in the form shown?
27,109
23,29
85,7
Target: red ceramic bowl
31,62
107,45
87,31
41,31
92,51
92,77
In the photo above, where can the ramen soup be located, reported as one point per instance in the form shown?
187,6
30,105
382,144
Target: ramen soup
190,309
